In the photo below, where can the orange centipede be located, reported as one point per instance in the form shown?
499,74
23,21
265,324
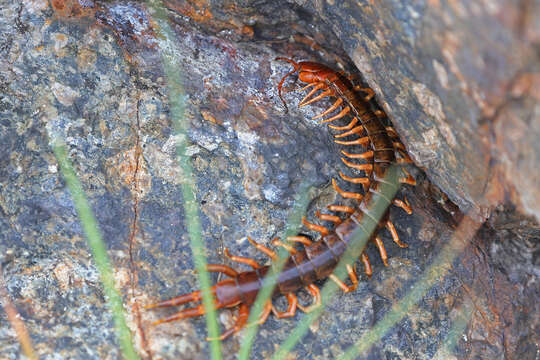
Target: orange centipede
380,148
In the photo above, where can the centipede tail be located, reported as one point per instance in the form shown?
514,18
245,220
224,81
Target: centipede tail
369,149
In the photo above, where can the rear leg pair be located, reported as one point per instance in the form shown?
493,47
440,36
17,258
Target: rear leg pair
291,297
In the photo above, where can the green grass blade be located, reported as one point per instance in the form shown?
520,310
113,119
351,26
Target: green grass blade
99,252
440,266
460,323
168,51
293,224
379,204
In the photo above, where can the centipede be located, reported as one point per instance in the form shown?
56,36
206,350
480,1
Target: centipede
370,148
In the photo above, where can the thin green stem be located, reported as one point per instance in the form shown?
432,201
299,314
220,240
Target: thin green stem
460,323
169,51
440,266
270,280
97,246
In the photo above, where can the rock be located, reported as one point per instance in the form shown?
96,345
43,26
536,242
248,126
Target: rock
91,73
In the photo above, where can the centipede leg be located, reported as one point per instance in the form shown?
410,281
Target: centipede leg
408,179
321,229
326,217
362,180
360,141
394,234
341,114
398,145
362,167
227,270
265,313
291,310
350,77
269,252
370,93
243,315
313,91
357,130
352,276
341,208
308,86
316,293
316,98
243,260
345,194
329,110
380,114
289,248
366,155
346,288
382,250
392,132
405,160
404,204
300,239
367,265
184,314
179,300
349,126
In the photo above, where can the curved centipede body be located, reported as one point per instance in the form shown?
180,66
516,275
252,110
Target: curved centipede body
380,147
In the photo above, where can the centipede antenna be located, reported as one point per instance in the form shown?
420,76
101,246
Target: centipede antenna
296,66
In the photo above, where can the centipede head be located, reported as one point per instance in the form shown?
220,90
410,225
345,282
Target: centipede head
296,68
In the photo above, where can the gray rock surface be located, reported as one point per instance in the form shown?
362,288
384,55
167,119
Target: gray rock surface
91,73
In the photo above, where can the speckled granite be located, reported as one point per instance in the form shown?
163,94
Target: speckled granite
91,73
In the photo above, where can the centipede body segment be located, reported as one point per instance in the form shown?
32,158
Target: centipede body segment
369,149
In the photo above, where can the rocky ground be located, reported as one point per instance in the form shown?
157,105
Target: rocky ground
459,81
